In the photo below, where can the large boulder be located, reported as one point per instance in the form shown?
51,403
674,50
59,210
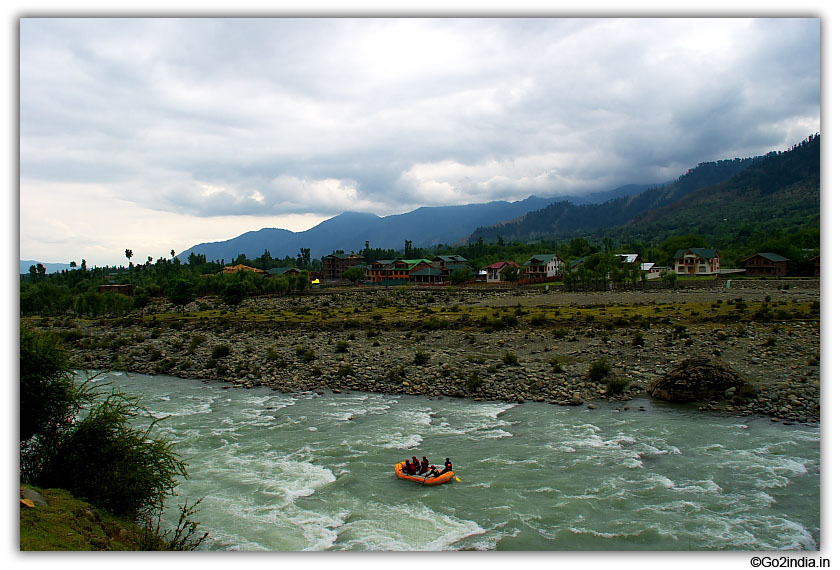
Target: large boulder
696,379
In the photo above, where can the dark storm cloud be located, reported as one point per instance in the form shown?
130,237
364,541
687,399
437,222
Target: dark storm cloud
266,117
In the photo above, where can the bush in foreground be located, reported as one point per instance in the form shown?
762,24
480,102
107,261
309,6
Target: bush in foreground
85,443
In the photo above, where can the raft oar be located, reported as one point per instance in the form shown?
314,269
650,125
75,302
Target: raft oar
457,478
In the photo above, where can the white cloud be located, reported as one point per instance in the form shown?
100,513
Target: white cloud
317,116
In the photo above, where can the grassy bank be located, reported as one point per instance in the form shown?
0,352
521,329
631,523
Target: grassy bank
67,523
454,315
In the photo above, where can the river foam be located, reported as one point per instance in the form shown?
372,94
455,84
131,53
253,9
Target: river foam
315,472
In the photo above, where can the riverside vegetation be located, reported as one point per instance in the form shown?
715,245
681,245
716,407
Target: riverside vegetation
513,344
77,443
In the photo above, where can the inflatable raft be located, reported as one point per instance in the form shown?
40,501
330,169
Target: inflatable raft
440,479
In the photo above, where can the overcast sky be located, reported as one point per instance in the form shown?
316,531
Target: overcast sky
158,134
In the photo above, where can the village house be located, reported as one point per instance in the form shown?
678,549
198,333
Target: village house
542,266
403,267
448,264
126,289
240,267
697,261
494,270
287,271
379,270
651,270
336,264
766,264
400,270
630,258
444,261
576,263
425,273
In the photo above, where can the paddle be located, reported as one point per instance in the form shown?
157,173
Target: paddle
457,478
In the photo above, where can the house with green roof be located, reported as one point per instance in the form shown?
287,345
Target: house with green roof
445,260
544,265
277,271
425,273
697,261
766,265
576,263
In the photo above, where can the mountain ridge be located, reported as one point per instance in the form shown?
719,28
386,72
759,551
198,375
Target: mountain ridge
778,191
426,226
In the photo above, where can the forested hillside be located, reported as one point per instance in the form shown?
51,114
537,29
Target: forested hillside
727,201
775,200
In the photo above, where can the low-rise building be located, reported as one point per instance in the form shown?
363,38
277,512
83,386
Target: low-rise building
125,289
766,264
240,267
494,270
336,264
542,266
287,271
697,261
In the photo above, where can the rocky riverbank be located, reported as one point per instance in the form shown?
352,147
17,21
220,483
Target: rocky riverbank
599,348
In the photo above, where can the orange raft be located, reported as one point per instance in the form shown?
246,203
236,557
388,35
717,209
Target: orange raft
440,479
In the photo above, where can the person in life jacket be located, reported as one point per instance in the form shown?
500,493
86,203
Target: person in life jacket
447,466
406,467
416,464
424,465
433,472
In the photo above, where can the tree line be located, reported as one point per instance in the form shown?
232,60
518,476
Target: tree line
77,291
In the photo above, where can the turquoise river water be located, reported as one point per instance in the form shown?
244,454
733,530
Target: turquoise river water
307,472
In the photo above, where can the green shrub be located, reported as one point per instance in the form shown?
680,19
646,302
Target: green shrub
48,393
510,359
616,385
509,320
396,375
421,358
77,440
220,351
166,365
433,324
557,363
306,354
599,370
538,320
113,465
474,381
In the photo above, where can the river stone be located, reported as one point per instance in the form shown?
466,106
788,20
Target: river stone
696,379
34,496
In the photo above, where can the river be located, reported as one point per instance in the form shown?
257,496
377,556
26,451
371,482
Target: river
294,472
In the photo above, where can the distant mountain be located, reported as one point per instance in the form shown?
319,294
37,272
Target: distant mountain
25,264
777,190
780,192
565,219
427,226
